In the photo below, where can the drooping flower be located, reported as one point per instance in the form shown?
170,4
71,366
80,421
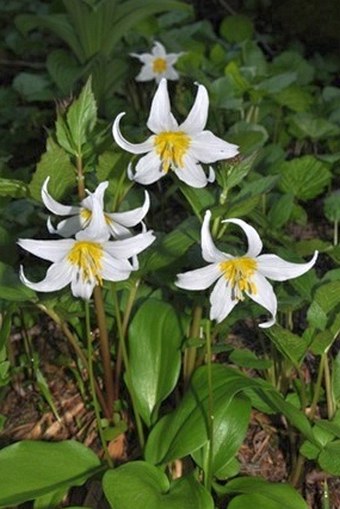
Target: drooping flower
114,224
178,147
238,276
157,64
85,261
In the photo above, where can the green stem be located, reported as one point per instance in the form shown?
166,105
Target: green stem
296,475
303,390
336,233
317,388
122,330
210,420
92,382
328,386
80,178
190,353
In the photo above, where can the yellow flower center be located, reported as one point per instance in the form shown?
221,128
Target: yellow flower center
238,272
171,146
159,65
87,257
86,214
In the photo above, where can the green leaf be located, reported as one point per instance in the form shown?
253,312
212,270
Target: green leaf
249,137
155,338
329,458
326,299
139,485
291,346
306,125
56,164
247,359
63,69
336,378
332,206
237,28
30,469
33,87
276,84
11,287
294,98
281,211
256,500
13,188
82,117
305,177
283,496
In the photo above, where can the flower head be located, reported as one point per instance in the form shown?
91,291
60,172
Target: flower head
240,276
114,224
157,64
84,262
180,148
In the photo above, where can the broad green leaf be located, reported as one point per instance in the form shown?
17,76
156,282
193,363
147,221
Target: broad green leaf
81,118
55,164
33,87
275,84
326,299
236,172
139,485
63,69
249,137
155,338
245,358
329,458
309,450
281,211
290,345
236,28
257,500
199,199
13,188
304,177
239,82
332,206
295,98
11,288
283,495
30,469
293,61
306,125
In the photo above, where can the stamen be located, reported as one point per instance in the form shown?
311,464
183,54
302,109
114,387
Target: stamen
85,214
159,65
172,146
87,257
239,272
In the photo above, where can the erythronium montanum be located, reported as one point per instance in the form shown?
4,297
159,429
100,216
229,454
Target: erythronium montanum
115,224
237,276
157,64
180,148
86,260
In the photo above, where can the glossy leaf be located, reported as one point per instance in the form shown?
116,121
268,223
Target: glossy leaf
155,338
139,485
30,469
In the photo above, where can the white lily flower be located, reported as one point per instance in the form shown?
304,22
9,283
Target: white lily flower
239,275
84,262
114,224
158,64
178,147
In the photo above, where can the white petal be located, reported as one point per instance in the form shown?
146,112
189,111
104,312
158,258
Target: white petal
50,226
254,241
57,276
134,148
158,50
98,194
210,252
191,173
97,229
69,227
129,247
264,296
80,287
198,115
198,279
114,269
132,217
208,148
51,250
118,231
171,58
54,206
211,176
221,301
148,169
146,73
161,118
145,58
276,268
171,73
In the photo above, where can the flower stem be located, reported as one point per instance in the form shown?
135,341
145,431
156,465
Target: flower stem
92,382
190,353
210,420
328,386
317,388
80,178
336,233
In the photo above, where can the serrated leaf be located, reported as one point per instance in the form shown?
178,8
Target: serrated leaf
305,177
306,125
291,346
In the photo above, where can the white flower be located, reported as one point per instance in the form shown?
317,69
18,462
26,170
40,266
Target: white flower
241,275
157,64
177,147
84,262
115,224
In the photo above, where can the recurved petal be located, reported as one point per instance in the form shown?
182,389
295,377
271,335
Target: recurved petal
146,58
208,148
118,231
69,227
172,58
210,252
264,296
132,217
161,118
126,248
134,148
81,287
254,241
146,73
191,173
97,229
221,302
51,250
54,206
276,268
198,115
114,269
171,73
98,194
57,276
198,279
148,169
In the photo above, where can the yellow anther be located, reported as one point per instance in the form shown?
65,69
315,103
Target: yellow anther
159,65
87,256
172,146
239,272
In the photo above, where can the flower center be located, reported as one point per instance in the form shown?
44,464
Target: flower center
159,65
238,272
86,215
171,146
87,257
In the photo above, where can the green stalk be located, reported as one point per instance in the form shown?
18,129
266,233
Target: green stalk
317,388
190,353
210,420
328,387
336,233
92,383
